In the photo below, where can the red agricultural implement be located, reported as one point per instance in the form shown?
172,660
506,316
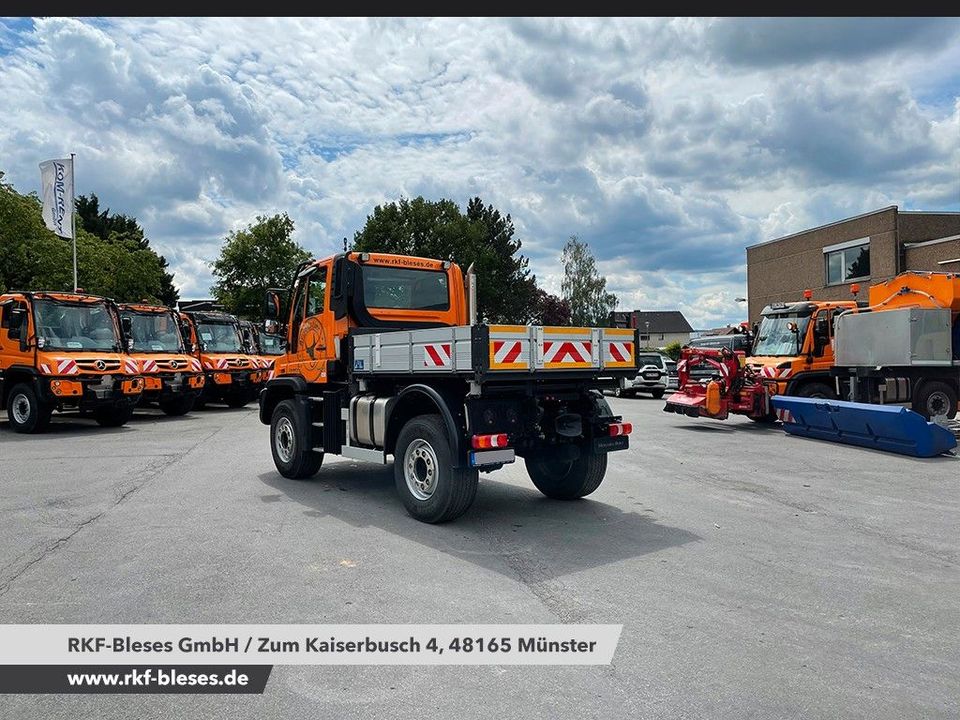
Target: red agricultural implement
715,382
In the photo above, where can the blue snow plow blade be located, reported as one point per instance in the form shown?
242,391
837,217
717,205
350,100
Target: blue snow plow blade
881,427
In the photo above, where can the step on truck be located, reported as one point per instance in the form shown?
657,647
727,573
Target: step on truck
385,358
232,374
64,351
171,376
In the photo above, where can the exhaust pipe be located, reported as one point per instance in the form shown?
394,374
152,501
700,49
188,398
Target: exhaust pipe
471,295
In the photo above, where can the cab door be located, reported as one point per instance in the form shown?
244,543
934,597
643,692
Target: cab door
311,338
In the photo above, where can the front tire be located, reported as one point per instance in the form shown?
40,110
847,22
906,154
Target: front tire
115,416
238,400
432,490
567,480
177,406
934,399
818,390
25,411
290,443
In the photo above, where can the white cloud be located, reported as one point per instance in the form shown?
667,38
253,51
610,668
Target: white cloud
668,145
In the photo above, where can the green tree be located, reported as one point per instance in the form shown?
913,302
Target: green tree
673,350
124,230
583,286
33,258
506,290
261,256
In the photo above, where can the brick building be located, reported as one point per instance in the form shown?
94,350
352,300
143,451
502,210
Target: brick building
862,249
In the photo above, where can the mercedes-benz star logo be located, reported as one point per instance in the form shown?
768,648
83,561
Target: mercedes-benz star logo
100,365
174,364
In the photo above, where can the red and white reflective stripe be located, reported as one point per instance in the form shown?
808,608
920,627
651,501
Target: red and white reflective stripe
485,442
773,373
567,351
436,355
506,351
222,363
785,416
44,368
150,366
208,365
130,366
67,366
270,374
682,365
616,429
620,351
195,365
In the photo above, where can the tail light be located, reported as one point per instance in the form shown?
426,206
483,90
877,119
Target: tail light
486,442
616,429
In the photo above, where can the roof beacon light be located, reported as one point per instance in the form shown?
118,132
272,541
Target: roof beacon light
808,294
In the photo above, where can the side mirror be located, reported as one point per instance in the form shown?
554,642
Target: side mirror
270,327
792,327
271,305
126,325
18,317
188,346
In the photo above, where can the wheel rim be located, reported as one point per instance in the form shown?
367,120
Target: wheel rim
421,469
21,408
283,439
938,404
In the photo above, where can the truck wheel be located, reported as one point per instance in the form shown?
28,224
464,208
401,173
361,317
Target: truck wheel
177,406
290,443
817,390
432,490
113,416
25,411
567,480
936,398
238,400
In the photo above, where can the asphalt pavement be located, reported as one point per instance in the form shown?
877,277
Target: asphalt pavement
756,575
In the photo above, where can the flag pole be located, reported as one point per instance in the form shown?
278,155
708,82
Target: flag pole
73,215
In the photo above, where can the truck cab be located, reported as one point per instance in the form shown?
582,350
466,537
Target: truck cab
232,373
384,357
793,348
171,377
64,351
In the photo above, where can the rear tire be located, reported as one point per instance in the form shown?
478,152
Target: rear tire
25,411
290,443
817,390
936,398
567,480
658,394
177,406
115,416
432,490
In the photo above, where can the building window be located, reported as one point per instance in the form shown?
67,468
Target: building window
644,338
847,262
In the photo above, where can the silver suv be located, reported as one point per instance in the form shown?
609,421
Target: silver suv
652,377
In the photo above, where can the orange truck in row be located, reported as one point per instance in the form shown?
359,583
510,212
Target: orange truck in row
172,376
61,351
385,357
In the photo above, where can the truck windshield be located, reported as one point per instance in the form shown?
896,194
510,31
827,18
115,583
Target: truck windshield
405,289
220,336
775,338
154,332
272,344
76,326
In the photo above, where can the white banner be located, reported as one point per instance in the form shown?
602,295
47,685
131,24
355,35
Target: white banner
56,190
308,644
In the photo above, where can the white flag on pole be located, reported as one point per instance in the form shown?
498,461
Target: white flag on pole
56,181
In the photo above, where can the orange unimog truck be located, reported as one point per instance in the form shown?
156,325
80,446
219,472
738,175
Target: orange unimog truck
64,351
905,346
171,377
793,348
385,357
233,375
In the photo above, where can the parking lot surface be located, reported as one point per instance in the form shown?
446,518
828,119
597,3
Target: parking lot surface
755,575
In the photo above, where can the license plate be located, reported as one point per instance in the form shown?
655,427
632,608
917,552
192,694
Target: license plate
609,444
652,375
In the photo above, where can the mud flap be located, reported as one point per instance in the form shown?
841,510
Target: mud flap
882,427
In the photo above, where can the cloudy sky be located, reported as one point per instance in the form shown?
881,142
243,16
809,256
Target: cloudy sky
668,145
